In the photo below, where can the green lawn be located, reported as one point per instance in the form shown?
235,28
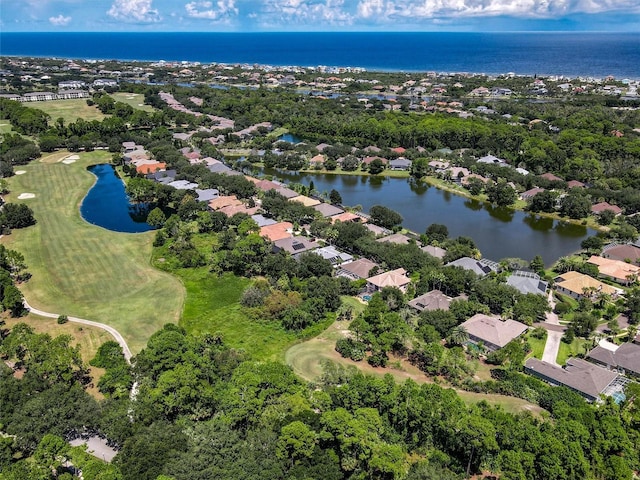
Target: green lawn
212,305
70,110
5,127
537,347
86,271
579,345
136,100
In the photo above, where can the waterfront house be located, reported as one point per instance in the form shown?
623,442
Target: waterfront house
527,282
598,208
163,176
148,168
625,253
620,272
287,193
492,332
578,285
400,164
394,278
396,238
306,201
357,269
348,217
480,267
529,194
328,210
434,251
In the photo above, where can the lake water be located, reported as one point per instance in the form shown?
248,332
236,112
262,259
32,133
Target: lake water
498,232
107,204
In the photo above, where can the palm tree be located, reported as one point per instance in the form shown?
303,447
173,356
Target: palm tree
458,336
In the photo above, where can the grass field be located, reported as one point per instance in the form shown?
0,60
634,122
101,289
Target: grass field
70,110
136,100
5,127
212,305
537,347
579,345
82,270
306,361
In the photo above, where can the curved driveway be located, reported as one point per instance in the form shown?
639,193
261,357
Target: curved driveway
114,333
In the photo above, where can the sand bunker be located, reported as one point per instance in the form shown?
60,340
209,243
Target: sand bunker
73,157
24,196
20,172
67,161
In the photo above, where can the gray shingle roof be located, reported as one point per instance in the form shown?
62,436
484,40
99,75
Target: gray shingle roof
578,374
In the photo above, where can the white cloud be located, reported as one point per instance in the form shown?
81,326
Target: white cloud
390,9
223,9
309,12
60,20
134,11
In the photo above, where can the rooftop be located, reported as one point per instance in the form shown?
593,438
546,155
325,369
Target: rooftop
493,330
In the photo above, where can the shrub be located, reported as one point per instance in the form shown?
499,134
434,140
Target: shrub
350,348
62,319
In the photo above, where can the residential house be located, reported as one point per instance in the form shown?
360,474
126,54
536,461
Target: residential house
433,300
583,377
598,208
624,253
479,267
492,332
277,231
397,238
400,164
317,160
394,278
618,271
306,201
377,230
357,269
148,168
335,256
527,282
348,217
551,177
223,201
575,184
492,160
578,285
163,176
295,245
183,185
207,195
130,147
624,358
328,210
529,194
263,221
287,193
434,251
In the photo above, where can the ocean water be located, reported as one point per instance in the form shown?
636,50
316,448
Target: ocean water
571,54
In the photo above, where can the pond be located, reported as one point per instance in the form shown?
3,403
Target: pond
498,232
107,205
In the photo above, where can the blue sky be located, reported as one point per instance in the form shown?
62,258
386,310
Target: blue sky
319,15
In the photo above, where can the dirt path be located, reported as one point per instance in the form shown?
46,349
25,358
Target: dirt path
114,333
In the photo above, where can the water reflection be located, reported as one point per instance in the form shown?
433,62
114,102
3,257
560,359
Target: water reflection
498,232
